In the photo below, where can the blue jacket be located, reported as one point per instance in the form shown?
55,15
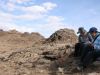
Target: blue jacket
96,43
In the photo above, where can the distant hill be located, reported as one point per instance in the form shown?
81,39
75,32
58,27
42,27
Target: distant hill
14,39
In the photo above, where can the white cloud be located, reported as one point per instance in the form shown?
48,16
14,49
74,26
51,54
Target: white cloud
29,17
49,5
55,22
55,19
52,24
6,23
33,12
42,8
21,1
39,9
36,9
11,26
11,6
6,17
20,28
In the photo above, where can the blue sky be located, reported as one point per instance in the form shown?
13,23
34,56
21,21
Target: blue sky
47,16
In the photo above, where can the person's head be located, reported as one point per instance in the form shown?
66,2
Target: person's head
93,31
81,30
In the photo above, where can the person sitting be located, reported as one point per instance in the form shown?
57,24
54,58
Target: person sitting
84,38
92,51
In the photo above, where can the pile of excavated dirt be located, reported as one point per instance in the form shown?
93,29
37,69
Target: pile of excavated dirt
42,60
63,36
31,61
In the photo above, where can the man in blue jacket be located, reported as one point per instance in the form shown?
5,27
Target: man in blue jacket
92,50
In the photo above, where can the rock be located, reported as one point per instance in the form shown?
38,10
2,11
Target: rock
61,70
37,36
51,57
1,30
14,31
25,34
43,61
28,65
93,74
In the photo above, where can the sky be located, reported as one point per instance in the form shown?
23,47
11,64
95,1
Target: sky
48,16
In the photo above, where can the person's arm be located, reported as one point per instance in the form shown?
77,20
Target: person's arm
80,39
90,37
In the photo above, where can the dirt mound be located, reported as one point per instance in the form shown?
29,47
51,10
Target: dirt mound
63,36
41,60
30,61
13,39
